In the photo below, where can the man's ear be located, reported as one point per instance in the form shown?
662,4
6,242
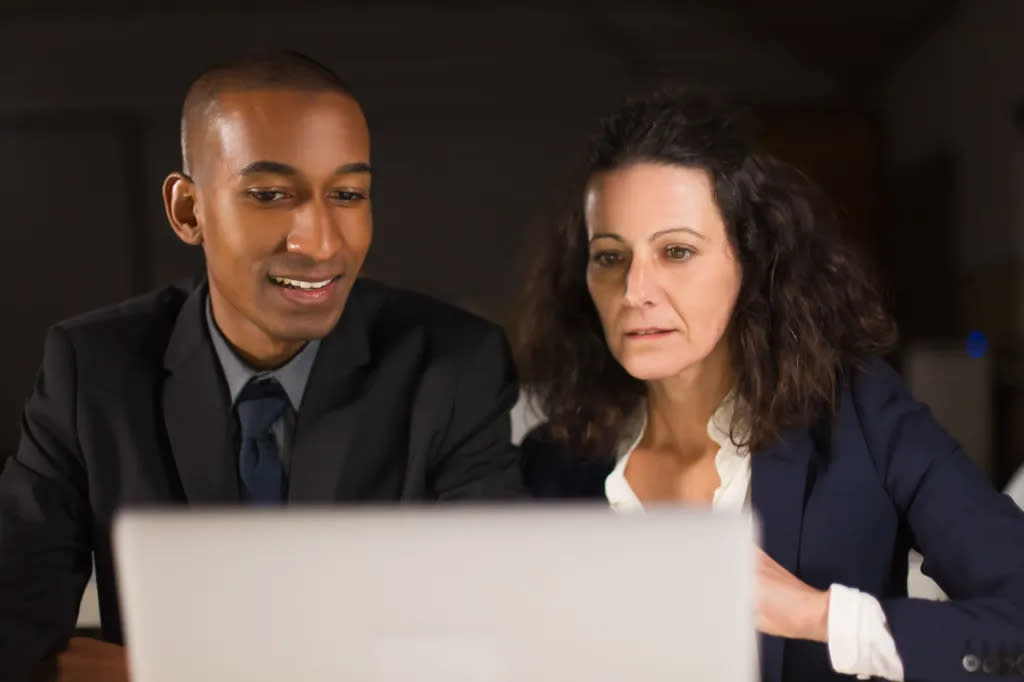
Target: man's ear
180,204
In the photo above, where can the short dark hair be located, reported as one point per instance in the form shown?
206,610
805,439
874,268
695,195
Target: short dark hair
806,310
285,69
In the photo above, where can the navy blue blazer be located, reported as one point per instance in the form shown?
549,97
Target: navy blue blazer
844,502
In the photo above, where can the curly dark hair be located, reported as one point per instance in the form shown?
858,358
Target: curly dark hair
806,313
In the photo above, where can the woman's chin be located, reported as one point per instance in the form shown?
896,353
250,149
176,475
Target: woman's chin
653,371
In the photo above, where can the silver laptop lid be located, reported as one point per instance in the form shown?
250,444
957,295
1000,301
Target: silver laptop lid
453,594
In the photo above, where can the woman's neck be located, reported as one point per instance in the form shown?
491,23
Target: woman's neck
679,408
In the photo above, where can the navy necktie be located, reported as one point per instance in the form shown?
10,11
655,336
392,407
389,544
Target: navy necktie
261,403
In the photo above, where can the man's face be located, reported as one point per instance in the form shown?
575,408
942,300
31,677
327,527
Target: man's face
282,204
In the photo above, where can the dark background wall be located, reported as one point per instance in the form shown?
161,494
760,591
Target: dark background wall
902,110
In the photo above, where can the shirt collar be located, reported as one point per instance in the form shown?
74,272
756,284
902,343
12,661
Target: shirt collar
717,427
732,462
293,375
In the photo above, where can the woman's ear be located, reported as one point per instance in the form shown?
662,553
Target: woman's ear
180,202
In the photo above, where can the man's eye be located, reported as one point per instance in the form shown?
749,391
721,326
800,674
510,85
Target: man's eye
347,196
267,195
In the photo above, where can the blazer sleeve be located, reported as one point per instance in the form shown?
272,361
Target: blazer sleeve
45,541
551,470
970,535
477,460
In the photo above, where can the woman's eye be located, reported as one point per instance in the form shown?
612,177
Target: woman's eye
607,258
267,195
678,252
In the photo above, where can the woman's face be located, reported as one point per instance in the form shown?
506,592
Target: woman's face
662,272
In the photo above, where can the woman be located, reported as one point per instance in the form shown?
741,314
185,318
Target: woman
696,333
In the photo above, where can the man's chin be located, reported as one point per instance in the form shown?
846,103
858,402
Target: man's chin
307,332
302,328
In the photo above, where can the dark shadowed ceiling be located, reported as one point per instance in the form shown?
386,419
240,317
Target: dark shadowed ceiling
856,41
853,41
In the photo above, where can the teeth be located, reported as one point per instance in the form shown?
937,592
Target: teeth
299,284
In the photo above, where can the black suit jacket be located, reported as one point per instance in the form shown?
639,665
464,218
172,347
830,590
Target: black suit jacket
408,399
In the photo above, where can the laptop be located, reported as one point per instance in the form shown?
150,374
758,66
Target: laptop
447,594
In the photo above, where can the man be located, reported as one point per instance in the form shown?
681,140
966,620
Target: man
280,378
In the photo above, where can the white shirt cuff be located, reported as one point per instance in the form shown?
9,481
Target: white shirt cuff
859,641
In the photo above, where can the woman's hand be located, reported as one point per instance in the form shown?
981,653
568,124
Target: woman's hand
788,607
90,660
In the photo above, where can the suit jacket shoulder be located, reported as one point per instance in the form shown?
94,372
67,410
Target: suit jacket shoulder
137,328
875,382
876,403
392,313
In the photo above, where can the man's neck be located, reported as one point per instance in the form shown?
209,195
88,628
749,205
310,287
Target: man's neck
251,344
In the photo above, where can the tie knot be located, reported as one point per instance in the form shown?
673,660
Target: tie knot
259,405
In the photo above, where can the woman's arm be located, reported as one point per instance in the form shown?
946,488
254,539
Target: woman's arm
971,537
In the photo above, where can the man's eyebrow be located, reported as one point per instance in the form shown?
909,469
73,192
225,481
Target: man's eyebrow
357,167
278,168
275,167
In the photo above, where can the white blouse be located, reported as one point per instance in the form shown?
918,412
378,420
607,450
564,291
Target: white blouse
859,641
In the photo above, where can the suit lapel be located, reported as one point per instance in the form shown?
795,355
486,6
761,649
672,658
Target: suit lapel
778,491
196,409
331,409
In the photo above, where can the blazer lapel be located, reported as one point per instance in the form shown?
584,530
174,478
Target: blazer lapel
779,478
196,409
331,410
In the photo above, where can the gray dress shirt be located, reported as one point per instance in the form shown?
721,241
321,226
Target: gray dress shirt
292,376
